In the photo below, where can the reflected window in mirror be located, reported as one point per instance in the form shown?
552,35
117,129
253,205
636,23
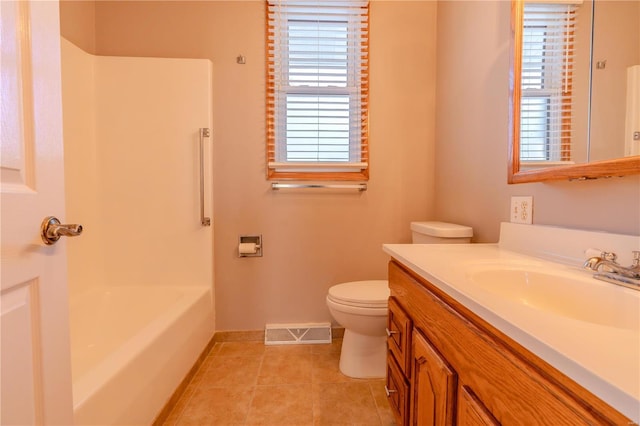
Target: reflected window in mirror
546,119
561,126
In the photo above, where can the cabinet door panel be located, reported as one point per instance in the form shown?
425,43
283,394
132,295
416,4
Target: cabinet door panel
399,332
471,411
434,386
397,392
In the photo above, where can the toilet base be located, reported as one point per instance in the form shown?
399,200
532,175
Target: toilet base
363,357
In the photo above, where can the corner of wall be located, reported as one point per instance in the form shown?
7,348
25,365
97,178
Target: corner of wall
78,23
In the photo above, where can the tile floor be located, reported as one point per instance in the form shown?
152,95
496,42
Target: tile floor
248,383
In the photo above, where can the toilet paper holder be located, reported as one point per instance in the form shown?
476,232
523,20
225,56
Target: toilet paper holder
250,246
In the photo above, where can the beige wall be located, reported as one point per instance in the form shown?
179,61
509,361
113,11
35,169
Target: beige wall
312,239
471,137
616,23
77,23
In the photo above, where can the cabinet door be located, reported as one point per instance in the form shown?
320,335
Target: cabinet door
434,385
471,411
397,390
399,333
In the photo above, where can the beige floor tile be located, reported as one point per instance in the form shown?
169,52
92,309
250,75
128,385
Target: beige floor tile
334,347
325,369
344,404
282,406
178,408
203,368
284,369
241,348
382,402
231,371
217,406
387,418
248,383
287,349
377,390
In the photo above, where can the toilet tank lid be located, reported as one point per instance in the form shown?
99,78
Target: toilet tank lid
442,229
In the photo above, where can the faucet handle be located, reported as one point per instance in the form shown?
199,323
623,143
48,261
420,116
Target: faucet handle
605,255
592,252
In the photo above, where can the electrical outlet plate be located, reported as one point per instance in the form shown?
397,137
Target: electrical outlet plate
521,210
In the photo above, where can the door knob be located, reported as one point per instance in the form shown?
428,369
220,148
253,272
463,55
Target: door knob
52,230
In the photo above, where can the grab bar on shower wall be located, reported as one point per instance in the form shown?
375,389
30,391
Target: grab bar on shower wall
204,133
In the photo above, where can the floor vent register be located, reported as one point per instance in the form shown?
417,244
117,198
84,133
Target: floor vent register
297,334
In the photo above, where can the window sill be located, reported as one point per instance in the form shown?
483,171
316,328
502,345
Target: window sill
338,176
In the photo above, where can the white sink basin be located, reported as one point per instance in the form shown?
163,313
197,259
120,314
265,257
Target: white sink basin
577,298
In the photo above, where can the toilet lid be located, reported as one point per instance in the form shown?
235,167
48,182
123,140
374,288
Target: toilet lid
371,294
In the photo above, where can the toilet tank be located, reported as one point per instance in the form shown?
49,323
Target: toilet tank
440,233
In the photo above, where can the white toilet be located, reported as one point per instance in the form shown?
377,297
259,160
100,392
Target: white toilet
361,307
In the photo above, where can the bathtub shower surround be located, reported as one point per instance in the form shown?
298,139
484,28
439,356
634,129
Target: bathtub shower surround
141,279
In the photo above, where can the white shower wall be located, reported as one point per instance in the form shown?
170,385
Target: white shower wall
86,262
132,169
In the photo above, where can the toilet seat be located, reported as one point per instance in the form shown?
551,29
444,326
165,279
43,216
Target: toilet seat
365,294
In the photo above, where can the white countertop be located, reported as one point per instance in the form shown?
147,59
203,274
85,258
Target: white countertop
603,359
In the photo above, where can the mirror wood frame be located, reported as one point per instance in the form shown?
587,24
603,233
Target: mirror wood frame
590,170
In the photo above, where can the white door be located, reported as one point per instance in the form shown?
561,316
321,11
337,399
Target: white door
35,369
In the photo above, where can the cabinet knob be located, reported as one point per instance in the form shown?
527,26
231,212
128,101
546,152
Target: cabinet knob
389,391
390,332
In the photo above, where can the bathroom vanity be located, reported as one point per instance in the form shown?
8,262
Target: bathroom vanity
466,348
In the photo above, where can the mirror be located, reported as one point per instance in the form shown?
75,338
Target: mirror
574,105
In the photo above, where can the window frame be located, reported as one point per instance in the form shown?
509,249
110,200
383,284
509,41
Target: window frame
557,139
351,170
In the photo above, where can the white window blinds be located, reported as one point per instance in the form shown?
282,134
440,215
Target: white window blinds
547,66
317,88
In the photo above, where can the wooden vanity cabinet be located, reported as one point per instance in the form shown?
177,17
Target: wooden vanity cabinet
398,361
471,411
397,389
399,336
447,366
434,385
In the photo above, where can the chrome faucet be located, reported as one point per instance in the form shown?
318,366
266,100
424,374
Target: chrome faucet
606,268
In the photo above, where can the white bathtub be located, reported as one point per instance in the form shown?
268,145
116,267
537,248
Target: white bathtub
131,346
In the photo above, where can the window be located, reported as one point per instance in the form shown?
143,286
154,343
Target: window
317,89
547,65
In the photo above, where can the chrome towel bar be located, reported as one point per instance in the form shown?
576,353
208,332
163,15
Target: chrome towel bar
358,186
204,133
